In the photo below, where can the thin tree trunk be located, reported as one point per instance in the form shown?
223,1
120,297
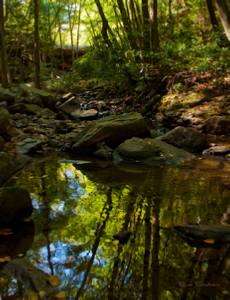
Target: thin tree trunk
4,73
60,37
78,29
36,45
127,24
105,24
146,25
212,13
154,26
224,16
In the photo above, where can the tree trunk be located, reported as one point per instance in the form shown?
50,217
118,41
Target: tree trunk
4,74
154,26
224,16
146,25
127,24
212,13
78,29
36,45
105,24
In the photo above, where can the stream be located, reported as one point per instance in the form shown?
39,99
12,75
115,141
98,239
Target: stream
80,204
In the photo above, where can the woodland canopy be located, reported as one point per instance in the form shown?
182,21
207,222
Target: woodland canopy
123,42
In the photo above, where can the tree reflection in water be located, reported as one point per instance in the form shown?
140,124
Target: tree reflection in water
79,207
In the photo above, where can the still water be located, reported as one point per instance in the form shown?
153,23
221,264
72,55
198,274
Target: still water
80,205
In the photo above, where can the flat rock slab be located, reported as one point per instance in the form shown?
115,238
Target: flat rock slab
185,138
217,233
112,130
151,151
28,146
90,114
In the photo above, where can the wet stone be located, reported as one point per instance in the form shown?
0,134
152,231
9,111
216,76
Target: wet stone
217,151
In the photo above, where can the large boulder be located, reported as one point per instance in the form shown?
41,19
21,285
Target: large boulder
15,205
185,138
112,130
216,125
36,96
4,119
150,151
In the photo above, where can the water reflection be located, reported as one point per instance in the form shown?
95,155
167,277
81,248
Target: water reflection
79,207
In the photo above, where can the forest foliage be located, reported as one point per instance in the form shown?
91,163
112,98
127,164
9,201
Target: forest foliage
126,41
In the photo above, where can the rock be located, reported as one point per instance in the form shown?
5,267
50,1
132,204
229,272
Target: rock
61,127
185,138
104,152
70,137
2,142
15,205
90,114
151,151
7,95
22,121
216,125
4,119
112,130
34,108
52,142
28,146
171,101
217,151
66,97
3,104
61,116
36,96
65,148
70,105
9,165
48,113
11,131
20,108
20,137
138,149
217,233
